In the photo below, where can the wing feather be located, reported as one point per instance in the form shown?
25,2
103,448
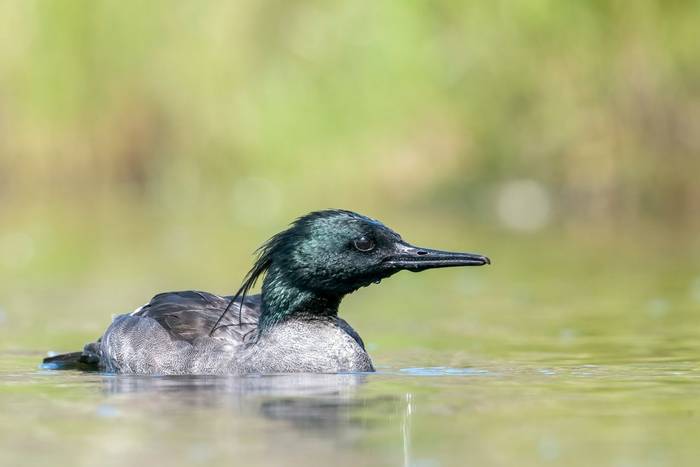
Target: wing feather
190,314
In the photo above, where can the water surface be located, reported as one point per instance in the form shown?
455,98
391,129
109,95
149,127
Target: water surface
573,352
642,413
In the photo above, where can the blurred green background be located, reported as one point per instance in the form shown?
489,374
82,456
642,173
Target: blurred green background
148,146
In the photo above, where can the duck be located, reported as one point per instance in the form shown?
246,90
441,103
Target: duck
292,326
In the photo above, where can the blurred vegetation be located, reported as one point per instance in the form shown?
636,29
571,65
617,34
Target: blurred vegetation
155,144
279,103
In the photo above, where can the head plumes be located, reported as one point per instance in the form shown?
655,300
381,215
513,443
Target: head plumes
280,248
261,266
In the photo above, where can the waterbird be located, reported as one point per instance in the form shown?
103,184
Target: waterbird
291,326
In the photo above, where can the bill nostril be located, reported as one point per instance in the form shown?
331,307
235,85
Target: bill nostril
421,252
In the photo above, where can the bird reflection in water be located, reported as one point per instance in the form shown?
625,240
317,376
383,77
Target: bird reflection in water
332,407
323,403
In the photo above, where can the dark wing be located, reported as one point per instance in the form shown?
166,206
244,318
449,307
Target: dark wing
185,315
191,314
347,328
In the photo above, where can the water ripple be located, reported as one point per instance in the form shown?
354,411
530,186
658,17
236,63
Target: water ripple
445,371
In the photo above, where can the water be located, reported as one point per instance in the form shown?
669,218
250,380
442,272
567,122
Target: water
572,353
575,412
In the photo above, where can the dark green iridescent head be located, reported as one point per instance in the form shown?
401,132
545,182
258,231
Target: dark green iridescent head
327,254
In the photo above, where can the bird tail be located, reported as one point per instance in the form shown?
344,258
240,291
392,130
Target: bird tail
87,360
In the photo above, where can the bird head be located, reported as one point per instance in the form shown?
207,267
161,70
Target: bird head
335,252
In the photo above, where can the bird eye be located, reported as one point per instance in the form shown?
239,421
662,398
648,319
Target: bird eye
363,244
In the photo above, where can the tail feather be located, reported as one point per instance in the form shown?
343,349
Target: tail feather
72,361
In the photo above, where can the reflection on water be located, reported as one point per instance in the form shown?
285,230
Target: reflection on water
183,420
320,403
406,430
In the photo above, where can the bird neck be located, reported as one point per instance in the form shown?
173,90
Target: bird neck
282,300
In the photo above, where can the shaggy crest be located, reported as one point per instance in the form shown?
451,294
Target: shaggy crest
266,252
